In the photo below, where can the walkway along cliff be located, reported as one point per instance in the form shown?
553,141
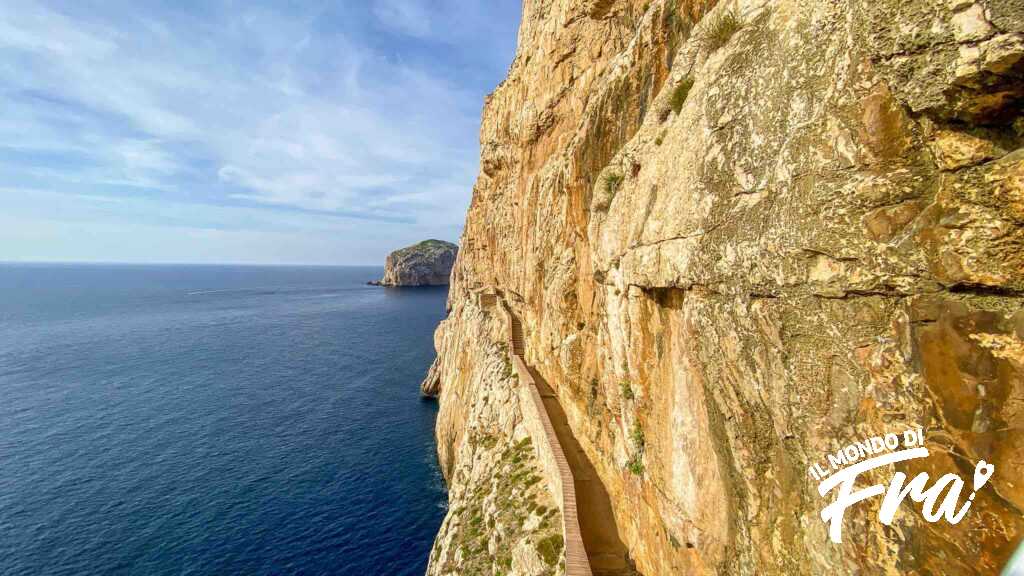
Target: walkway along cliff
732,237
550,452
592,544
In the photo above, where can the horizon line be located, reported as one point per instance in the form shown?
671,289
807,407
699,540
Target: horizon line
179,263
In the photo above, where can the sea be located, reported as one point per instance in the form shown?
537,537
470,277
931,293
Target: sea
215,420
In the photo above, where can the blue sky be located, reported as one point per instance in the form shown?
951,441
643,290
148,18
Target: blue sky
251,132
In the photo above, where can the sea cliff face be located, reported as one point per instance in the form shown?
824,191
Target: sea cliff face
428,263
739,237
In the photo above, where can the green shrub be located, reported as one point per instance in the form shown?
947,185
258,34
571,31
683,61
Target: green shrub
679,94
637,434
721,29
612,182
636,465
550,548
627,390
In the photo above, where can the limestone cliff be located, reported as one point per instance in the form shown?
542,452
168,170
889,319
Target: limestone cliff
740,236
428,263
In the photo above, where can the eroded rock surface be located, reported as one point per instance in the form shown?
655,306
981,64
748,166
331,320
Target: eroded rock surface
823,240
428,263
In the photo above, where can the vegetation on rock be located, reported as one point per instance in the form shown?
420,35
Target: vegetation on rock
721,29
512,507
680,93
637,435
550,548
612,182
626,389
636,464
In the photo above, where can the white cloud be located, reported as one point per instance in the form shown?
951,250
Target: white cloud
241,105
38,224
146,155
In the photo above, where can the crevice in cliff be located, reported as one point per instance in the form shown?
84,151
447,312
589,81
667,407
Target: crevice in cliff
688,236
816,252
983,290
720,288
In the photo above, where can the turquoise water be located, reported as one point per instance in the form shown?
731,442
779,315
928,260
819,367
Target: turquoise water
215,420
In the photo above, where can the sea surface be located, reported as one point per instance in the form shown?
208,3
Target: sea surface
215,420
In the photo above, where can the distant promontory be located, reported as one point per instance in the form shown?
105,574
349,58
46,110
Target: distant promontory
428,263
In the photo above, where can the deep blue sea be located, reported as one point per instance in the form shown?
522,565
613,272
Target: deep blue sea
215,420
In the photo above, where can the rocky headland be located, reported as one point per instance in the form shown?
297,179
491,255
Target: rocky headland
428,263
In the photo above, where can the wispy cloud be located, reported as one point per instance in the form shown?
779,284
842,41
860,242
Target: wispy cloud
363,110
405,16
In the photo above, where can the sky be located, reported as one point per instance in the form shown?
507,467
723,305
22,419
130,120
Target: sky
222,131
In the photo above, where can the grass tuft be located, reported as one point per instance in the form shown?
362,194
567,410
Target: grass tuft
550,548
719,30
612,182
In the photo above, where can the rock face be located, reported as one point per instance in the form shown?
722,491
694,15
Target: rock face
428,263
755,240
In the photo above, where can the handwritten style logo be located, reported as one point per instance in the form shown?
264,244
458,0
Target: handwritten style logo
847,464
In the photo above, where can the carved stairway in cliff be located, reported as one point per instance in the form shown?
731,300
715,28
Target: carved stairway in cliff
517,336
592,543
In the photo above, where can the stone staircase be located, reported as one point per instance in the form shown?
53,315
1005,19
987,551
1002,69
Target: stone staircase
488,300
517,336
